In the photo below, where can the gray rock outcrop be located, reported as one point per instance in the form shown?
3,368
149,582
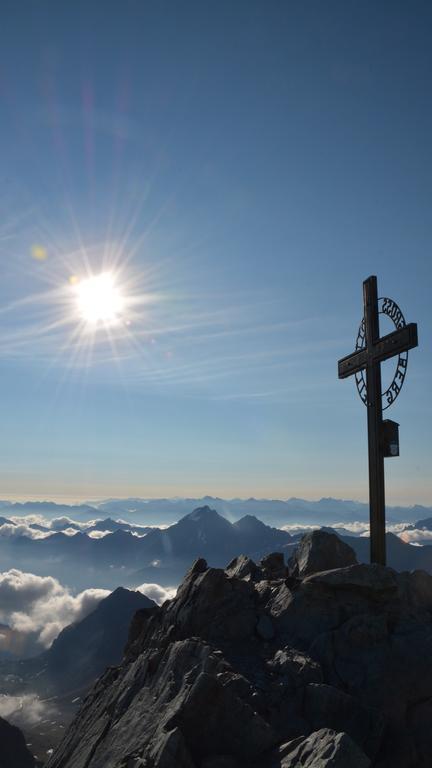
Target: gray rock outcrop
251,667
319,551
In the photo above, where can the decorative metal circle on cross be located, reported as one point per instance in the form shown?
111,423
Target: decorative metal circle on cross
387,307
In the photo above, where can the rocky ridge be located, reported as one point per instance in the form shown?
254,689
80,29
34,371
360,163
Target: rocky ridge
260,666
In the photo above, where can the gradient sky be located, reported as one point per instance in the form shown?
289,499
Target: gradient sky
244,165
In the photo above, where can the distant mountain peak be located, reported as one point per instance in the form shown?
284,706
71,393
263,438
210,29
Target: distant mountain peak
203,513
250,522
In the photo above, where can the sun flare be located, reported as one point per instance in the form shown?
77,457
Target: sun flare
99,299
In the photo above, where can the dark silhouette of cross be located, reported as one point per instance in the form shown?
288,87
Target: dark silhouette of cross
370,358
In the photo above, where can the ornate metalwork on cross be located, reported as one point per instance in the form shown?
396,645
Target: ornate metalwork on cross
365,364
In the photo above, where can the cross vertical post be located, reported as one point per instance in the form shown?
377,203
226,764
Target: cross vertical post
365,364
374,415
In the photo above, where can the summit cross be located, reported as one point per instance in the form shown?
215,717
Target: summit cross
371,351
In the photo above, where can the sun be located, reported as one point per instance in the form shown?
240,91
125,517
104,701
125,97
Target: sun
99,299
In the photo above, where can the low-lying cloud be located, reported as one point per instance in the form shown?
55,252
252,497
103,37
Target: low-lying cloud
17,530
42,606
25,710
358,528
156,592
416,536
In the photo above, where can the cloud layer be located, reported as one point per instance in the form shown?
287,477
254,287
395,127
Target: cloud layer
156,592
25,710
41,605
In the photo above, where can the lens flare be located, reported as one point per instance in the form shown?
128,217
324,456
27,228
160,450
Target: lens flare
99,299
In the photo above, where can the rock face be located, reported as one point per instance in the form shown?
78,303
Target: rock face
254,668
13,749
323,749
320,551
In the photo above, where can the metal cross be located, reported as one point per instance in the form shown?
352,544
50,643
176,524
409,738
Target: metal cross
370,358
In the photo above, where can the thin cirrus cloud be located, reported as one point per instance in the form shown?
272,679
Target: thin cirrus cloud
173,338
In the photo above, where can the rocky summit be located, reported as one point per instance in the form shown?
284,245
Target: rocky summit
264,665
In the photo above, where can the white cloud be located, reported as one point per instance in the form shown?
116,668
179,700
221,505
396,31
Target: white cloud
295,528
67,532
30,520
157,593
41,605
12,531
21,526
356,527
25,710
98,534
416,536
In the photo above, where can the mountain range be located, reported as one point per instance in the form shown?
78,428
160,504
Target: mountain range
168,510
132,555
160,556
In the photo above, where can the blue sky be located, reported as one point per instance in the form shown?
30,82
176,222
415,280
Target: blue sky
242,167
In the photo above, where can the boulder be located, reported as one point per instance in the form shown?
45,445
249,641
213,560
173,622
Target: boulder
374,580
320,551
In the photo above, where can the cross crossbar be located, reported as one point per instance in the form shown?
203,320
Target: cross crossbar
388,346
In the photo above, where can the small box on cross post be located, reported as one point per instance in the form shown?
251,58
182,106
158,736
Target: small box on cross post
390,438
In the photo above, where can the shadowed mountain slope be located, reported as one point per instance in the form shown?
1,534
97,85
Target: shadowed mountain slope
82,651
13,750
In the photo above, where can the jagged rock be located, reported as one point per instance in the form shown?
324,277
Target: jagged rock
320,551
198,687
242,567
215,607
296,666
13,749
278,599
273,566
322,749
199,566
